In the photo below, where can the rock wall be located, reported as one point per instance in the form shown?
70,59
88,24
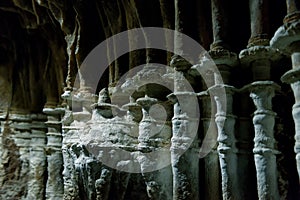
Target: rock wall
221,124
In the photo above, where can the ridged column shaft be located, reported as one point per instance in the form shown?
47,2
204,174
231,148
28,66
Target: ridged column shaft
286,39
153,133
184,142
54,187
225,121
211,160
264,153
37,163
293,77
296,115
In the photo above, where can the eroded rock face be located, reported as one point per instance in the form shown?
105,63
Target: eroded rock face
60,138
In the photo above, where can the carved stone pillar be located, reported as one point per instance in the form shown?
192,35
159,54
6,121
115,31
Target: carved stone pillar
54,187
293,77
225,121
287,39
211,160
185,162
259,14
263,120
19,130
265,156
37,162
244,144
293,11
259,57
220,24
262,93
184,153
208,149
182,14
154,159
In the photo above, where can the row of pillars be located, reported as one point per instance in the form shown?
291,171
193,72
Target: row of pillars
259,56
30,151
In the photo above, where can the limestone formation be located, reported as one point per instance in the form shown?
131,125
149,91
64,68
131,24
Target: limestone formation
151,115
286,39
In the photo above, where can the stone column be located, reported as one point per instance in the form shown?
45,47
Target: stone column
259,57
244,144
293,77
154,139
293,11
181,45
182,15
184,142
225,121
220,24
262,93
184,148
259,14
20,131
208,149
54,186
286,39
37,162
211,160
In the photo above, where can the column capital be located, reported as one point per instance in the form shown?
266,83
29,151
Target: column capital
285,37
248,56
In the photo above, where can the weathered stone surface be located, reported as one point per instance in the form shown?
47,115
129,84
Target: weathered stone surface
66,133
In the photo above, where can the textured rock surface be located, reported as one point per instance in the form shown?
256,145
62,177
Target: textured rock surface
59,139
